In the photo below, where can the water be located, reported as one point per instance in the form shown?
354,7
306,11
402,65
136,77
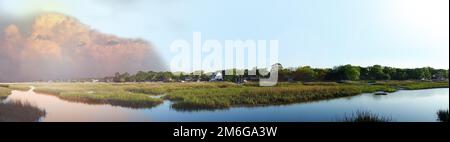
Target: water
401,106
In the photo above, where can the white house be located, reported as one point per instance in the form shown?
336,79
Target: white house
217,76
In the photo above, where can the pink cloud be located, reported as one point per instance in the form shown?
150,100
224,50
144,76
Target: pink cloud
60,47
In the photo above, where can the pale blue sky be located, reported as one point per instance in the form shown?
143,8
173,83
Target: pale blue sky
320,33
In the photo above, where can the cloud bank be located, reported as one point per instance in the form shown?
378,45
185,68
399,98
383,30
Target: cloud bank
55,46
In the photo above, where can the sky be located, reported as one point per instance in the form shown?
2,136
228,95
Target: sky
319,33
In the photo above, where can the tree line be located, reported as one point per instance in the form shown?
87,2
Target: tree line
305,73
354,73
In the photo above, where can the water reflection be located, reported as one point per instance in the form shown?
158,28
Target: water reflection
60,110
15,111
403,106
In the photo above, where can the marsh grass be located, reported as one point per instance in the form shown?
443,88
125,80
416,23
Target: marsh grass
413,85
20,112
101,93
132,95
283,93
442,115
162,88
16,86
365,116
215,95
255,96
4,92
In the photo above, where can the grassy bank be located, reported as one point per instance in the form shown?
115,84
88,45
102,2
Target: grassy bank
4,92
284,93
99,93
134,95
19,112
255,96
218,95
19,87
162,88
413,85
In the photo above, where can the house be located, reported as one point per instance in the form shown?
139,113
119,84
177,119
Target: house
217,76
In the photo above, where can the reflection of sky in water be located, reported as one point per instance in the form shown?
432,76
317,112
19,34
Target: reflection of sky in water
58,110
418,105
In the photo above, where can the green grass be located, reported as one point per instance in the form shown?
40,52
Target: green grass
19,112
255,96
162,88
283,93
365,116
442,115
414,85
20,87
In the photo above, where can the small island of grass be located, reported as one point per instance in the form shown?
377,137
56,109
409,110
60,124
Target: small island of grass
4,92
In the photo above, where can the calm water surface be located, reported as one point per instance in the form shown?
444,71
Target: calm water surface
401,106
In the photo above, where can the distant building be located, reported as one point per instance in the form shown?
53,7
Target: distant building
217,76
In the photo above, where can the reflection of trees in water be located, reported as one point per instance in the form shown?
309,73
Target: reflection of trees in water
16,111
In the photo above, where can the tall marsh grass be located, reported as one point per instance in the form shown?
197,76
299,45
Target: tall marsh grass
442,115
366,116
254,96
283,93
414,85
4,93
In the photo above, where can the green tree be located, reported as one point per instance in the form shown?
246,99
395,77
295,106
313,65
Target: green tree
321,74
427,73
389,72
141,76
364,73
116,77
304,74
376,73
419,74
347,72
440,74
350,72
400,74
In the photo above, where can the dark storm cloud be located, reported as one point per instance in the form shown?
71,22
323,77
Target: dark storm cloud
55,46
